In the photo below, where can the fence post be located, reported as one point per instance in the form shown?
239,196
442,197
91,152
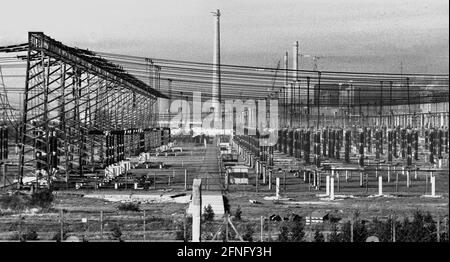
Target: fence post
438,232
351,229
101,225
185,179
262,229
61,224
226,226
144,226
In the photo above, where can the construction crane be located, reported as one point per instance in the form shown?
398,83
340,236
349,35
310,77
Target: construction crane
315,60
274,79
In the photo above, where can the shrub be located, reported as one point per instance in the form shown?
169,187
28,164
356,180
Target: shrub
291,231
57,235
129,207
248,233
116,231
238,213
334,236
42,198
14,202
318,237
208,213
29,235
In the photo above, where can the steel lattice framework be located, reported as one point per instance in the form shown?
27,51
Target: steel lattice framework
80,111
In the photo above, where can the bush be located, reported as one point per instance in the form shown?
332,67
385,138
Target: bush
116,231
318,237
208,213
14,202
42,198
360,232
334,236
291,231
57,235
248,233
129,207
421,229
29,235
238,213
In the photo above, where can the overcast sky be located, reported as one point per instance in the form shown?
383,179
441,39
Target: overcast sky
353,35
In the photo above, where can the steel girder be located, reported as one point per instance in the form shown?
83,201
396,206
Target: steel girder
73,100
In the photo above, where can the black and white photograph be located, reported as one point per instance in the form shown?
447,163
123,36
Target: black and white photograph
238,123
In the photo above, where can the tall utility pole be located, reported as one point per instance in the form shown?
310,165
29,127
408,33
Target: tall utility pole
286,85
295,82
216,87
295,61
381,102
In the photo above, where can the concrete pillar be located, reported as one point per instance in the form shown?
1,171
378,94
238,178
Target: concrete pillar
257,167
116,186
433,185
408,179
295,61
332,187
389,174
196,209
277,187
346,175
185,179
380,185
315,178
270,180
263,168
327,185
360,179
135,185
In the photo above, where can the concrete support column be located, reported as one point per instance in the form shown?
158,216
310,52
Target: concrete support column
196,209
433,185
389,174
380,185
315,179
346,175
185,179
332,187
270,180
277,187
408,179
263,168
360,179
327,185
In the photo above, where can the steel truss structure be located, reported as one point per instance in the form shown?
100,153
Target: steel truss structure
81,112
